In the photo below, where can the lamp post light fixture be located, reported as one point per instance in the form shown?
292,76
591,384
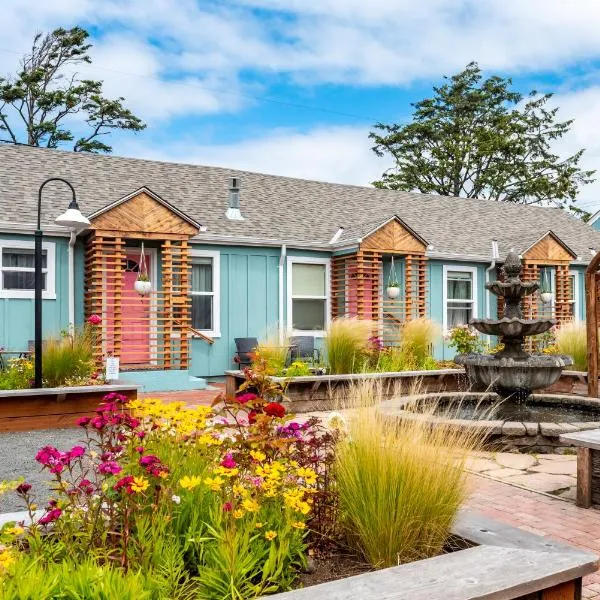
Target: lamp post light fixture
73,219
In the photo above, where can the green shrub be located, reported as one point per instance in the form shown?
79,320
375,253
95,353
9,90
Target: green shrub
465,340
400,483
18,375
571,339
347,344
298,369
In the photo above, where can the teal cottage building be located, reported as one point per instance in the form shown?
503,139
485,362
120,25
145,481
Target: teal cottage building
181,259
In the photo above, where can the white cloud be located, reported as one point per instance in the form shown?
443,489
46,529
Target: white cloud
336,154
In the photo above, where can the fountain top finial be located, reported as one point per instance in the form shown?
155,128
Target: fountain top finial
512,265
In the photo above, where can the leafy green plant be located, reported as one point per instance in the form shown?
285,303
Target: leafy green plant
347,344
393,283
464,340
417,337
298,368
18,375
400,483
571,339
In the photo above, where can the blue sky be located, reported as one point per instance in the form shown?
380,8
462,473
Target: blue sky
292,86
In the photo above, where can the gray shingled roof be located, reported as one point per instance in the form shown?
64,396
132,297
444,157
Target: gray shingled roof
279,209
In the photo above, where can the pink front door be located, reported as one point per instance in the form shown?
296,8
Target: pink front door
136,315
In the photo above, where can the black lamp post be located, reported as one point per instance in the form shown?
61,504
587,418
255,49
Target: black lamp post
71,218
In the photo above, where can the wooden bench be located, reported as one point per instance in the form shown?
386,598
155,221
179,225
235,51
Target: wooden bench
588,465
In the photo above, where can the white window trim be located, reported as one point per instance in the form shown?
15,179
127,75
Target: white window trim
309,260
215,332
50,247
576,315
474,291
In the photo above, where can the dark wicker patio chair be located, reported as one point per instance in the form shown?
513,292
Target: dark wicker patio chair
244,349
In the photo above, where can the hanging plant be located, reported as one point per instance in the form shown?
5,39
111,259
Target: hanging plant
546,294
393,285
142,285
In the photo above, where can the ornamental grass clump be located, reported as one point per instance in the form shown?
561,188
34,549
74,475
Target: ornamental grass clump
400,482
571,339
416,341
272,352
347,344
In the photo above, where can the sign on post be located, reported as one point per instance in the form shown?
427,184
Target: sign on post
112,368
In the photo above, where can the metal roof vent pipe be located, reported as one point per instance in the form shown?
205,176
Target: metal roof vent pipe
233,212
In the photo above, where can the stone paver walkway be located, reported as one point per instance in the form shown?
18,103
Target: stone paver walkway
547,473
543,515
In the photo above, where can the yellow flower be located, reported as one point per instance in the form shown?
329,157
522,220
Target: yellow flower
7,558
16,530
238,513
258,525
214,483
299,525
251,505
231,472
270,535
303,507
309,476
240,490
139,484
258,455
189,483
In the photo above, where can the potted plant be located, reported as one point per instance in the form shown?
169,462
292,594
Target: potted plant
546,294
393,289
143,285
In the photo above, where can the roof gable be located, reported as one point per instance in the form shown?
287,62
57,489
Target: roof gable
548,249
394,235
143,212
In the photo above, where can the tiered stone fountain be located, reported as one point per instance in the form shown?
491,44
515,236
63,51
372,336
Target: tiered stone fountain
512,371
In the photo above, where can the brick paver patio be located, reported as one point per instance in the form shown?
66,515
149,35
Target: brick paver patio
190,397
541,514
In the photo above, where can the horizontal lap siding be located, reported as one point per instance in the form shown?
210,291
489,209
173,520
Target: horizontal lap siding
16,314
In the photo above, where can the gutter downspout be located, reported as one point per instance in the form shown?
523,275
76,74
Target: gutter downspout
282,258
492,266
71,280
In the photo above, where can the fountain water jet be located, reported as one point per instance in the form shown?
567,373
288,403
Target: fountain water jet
512,371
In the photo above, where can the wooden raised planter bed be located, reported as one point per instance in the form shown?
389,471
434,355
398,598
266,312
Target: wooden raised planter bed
48,408
505,563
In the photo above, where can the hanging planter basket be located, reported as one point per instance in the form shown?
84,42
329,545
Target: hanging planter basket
546,294
547,297
142,285
393,286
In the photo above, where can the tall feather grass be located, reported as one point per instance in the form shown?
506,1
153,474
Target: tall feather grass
68,357
400,482
416,340
346,344
274,351
571,339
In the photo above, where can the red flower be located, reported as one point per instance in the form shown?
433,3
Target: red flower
252,417
94,320
227,507
243,398
23,488
274,409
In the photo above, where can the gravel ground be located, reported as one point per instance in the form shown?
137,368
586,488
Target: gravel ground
17,459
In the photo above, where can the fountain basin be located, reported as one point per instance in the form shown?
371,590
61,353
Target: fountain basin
513,375
512,328
506,424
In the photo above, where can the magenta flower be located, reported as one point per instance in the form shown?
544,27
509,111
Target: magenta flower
109,468
227,507
76,452
149,460
50,516
98,422
228,462
83,421
94,320
23,488
245,398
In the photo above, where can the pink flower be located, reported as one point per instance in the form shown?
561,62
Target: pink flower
140,449
76,452
109,468
50,516
125,482
86,486
228,462
98,423
227,507
83,421
244,398
94,320
149,460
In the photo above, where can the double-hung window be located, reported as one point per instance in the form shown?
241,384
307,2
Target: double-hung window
205,292
17,269
308,298
574,295
460,296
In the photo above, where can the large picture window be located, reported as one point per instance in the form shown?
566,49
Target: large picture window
460,304
204,291
17,269
308,300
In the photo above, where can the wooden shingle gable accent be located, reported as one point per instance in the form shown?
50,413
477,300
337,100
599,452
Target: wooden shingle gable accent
394,237
144,215
549,250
